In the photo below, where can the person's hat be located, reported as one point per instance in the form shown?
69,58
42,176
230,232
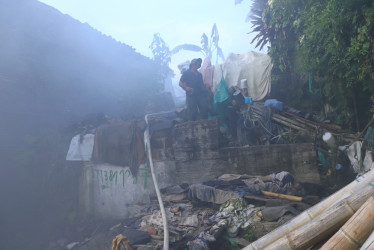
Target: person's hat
196,60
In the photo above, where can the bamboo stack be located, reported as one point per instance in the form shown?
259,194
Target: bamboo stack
323,225
310,226
325,218
294,121
369,243
355,232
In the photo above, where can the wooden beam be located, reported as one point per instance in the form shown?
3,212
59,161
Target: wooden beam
282,196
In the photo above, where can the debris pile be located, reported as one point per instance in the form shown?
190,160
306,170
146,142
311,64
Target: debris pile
347,215
235,211
225,213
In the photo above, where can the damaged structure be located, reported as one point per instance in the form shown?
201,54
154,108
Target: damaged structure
118,177
195,164
252,176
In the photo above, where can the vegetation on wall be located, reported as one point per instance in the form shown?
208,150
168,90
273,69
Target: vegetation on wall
323,50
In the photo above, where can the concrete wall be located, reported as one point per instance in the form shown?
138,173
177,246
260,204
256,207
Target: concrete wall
110,191
187,153
194,149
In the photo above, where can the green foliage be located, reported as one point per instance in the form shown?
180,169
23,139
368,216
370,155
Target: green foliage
161,56
160,50
290,137
338,46
264,32
331,40
360,52
248,234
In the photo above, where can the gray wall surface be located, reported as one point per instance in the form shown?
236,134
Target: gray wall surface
188,153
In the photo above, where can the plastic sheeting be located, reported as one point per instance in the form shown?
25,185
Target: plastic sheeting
207,70
355,156
81,148
359,165
253,66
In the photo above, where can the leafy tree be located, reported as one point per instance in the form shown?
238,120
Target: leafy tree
255,17
161,55
324,45
337,47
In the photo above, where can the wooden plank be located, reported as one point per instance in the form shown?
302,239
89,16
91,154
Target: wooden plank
282,196
256,199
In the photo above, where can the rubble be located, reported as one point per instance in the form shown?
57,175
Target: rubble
210,215
234,210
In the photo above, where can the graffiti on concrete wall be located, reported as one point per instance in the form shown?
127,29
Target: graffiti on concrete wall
110,177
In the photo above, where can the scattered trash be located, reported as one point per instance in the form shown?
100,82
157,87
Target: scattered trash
210,213
274,103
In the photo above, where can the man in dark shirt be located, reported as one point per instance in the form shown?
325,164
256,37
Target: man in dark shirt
196,94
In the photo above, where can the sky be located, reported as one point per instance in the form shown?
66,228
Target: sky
178,22
134,22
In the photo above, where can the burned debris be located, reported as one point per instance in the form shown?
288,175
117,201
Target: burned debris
220,191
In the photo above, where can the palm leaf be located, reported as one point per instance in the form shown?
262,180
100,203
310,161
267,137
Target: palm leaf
255,18
263,44
190,47
256,12
258,28
262,41
257,37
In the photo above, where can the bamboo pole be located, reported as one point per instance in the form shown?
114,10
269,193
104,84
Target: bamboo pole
283,120
312,212
300,121
288,124
355,231
295,119
282,196
325,224
278,118
369,243
313,123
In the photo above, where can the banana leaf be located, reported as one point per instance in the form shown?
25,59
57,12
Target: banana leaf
190,47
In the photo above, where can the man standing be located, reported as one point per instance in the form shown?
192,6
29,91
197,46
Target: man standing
196,94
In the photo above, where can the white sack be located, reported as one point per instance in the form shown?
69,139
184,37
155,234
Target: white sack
81,150
253,66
